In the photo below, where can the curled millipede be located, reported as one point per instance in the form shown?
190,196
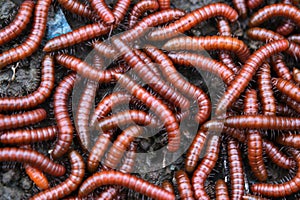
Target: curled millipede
37,176
85,106
281,189
120,145
205,167
265,90
38,96
164,4
238,85
209,43
63,120
70,184
296,75
225,30
194,151
155,82
221,190
84,69
77,8
280,67
274,10
277,156
252,4
288,139
263,122
192,19
32,157
102,10
288,25
126,180
34,39
241,7
22,119
21,136
20,22
98,150
203,63
160,109
236,169
140,8
167,186
288,88
125,118
184,185
174,77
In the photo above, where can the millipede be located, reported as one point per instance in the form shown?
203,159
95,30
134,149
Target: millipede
288,139
167,186
287,25
221,190
128,160
15,28
205,167
296,75
238,85
288,88
189,20
32,157
126,180
70,184
280,67
164,4
102,10
140,8
184,185
77,8
63,120
22,119
38,96
241,7
31,44
252,4
295,38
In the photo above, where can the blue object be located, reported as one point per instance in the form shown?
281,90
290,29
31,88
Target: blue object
58,25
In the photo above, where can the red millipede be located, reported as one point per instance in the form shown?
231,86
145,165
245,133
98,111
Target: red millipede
70,184
221,190
295,38
22,119
288,139
236,169
38,96
23,136
126,180
61,114
250,102
32,157
155,82
209,43
296,75
107,104
140,8
148,62
84,69
192,19
98,150
125,118
120,145
265,90
288,25
87,32
288,88
160,109
184,185
252,4
280,67
194,151
20,22
241,81
34,39
224,56
241,7
109,193
253,197
164,4
129,158
203,63
37,176
277,156
280,189
167,186
102,10
205,167
274,10
77,8
175,78
263,122
85,106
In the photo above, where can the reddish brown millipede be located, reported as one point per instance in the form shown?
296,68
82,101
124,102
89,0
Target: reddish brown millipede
77,7
221,190
288,88
184,185
241,7
289,139
102,10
